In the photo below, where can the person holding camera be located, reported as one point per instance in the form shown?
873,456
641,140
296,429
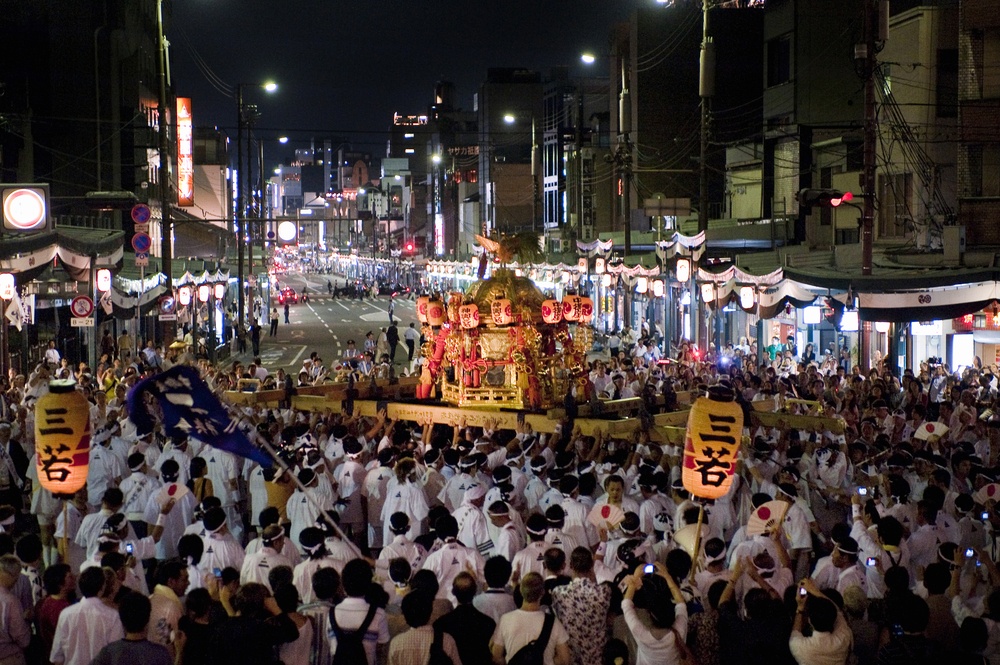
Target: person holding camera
830,641
663,641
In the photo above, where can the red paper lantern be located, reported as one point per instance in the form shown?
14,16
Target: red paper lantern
62,438
571,307
422,308
435,312
501,312
468,315
586,310
712,441
552,311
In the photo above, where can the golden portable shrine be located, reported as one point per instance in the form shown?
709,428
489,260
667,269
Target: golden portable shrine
503,344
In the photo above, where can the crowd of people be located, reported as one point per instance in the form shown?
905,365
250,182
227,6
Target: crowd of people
382,541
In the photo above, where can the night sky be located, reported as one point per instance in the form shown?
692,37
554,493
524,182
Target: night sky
344,66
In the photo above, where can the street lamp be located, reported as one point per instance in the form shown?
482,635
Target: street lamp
241,176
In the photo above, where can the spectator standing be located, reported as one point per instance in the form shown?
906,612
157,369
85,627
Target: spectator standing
325,588
392,338
52,355
274,322
254,628
582,607
662,643
88,626
134,647
15,635
411,335
353,612
125,346
470,628
59,583
255,334
413,647
830,641
166,609
516,629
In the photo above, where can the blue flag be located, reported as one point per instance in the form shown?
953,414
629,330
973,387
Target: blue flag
190,409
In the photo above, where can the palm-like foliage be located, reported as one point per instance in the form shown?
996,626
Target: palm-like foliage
522,246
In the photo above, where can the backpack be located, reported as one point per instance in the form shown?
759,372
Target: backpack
350,643
533,653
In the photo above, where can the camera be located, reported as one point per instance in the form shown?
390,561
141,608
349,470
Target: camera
648,569
969,553
870,562
985,515
217,572
128,548
802,591
862,491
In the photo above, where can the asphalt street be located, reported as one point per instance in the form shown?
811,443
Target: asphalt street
325,324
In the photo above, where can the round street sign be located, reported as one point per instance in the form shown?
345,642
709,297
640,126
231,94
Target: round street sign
141,242
81,307
141,213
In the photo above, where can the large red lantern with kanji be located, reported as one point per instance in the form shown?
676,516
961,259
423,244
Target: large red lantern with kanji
62,438
468,316
711,443
551,311
571,307
501,312
586,310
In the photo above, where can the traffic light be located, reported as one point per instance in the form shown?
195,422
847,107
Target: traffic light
408,247
833,311
824,198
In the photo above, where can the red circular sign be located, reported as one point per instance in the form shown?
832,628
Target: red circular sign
764,512
81,307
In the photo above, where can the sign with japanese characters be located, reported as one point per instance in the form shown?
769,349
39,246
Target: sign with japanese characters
714,432
185,153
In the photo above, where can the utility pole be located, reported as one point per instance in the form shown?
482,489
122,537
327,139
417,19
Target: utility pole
865,55
623,154
166,231
706,90
240,220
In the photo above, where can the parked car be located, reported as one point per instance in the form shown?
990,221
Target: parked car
287,294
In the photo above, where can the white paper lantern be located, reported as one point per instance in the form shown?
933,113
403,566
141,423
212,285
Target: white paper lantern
683,270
